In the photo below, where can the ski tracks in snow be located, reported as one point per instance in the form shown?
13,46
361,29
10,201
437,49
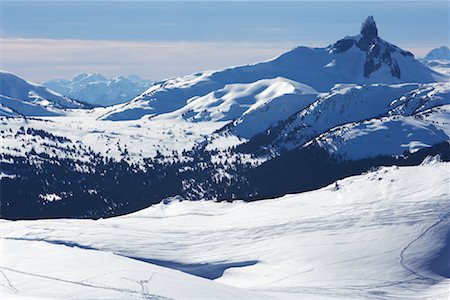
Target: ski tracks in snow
142,294
408,246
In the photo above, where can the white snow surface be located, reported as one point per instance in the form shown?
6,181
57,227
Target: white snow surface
140,138
255,106
379,235
386,136
439,65
340,116
39,270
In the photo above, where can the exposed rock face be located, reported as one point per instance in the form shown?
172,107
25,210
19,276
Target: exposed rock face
378,52
369,28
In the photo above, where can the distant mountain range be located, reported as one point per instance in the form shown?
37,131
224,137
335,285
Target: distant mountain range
99,90
298,122
438,59
442,52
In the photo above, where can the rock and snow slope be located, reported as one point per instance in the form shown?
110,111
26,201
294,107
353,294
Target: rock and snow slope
380,235
352,108
19,97
388,135
98,90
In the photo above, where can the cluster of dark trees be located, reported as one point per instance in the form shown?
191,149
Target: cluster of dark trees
103,187
310,168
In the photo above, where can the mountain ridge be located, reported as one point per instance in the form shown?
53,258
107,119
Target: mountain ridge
442,52
96,89
19,97
360,59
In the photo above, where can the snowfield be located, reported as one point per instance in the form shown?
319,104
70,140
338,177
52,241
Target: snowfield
74,273
380,235
130,140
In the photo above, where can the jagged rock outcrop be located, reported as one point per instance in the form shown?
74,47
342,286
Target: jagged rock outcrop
378,51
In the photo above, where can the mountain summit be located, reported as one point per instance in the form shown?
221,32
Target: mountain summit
369,28
379,54
442,52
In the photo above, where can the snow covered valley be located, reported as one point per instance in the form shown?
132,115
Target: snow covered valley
380,235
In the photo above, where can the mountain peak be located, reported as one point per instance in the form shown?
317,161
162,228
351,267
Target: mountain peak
369,28
442,52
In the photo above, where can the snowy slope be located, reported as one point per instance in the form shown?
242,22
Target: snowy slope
388,135
13,107
348,107
22,97
439,65
96,89
257,105
33,269
360,59
379,235
235,100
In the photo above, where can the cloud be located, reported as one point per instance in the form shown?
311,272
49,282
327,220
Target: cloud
43,59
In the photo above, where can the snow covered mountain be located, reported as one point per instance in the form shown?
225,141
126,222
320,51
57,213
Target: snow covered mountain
439,60
19,97
356,107
292,124
360,59
96,89
442,52
380,235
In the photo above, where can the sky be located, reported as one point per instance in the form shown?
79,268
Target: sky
41,40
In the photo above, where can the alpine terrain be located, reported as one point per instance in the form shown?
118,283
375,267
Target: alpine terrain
323,173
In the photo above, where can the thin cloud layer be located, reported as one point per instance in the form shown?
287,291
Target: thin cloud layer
42,59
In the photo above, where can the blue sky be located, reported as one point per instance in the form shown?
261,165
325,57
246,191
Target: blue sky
43,40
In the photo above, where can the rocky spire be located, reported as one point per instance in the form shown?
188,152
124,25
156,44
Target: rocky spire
369,28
